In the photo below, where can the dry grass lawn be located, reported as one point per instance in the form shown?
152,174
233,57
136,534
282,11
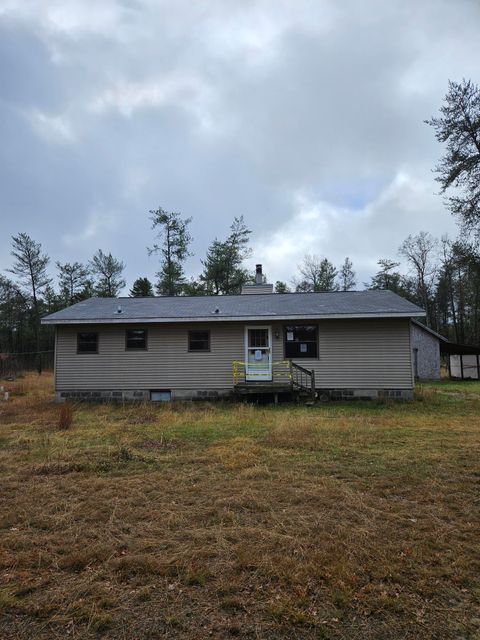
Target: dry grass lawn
353,521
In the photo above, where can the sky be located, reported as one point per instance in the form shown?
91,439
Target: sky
306,117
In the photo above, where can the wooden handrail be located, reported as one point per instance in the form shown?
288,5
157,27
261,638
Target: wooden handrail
297,366
303,378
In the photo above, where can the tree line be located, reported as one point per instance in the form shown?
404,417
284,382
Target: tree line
441,275
28,291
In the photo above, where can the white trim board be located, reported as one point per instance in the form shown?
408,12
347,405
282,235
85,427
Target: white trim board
269,318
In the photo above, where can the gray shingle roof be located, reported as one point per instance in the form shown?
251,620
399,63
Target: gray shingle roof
349,304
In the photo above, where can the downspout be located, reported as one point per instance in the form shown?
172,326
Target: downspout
55,358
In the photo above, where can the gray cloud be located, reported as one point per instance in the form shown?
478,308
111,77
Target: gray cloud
305,117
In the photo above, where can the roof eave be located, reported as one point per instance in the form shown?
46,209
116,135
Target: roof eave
216,318
423,327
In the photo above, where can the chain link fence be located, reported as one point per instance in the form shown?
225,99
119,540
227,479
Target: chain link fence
13,365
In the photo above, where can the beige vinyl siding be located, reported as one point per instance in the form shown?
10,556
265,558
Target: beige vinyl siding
352,354
358,354
257,288
166,364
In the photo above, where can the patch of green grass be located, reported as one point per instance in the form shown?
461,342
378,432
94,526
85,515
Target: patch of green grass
472,386
288,611
8,599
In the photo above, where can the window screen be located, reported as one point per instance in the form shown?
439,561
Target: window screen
87,342
301,341
199,340
257,338
136,339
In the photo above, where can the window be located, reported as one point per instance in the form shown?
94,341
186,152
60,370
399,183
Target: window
136,339
199,340
87,342
257,338
301,341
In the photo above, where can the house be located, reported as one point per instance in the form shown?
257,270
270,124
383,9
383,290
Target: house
429,348
329,345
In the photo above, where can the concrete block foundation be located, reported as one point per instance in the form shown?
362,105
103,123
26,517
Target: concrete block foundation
364,394
142,395
139,395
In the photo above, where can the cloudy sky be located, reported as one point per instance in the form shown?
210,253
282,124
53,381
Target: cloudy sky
304,116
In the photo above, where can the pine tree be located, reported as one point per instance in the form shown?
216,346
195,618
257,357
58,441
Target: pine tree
458,172
193,287
30,267
73,281
142,288
173,249
223,271
281,287
108,273
347,276
386,277
13,313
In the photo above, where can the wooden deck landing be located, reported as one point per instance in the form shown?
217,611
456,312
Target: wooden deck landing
287,377
251,388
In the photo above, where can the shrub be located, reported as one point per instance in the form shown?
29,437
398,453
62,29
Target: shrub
65,417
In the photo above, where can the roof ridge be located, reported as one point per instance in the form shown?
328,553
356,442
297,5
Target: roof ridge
235,295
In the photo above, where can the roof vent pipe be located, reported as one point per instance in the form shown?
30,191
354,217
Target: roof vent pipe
119,309
258,274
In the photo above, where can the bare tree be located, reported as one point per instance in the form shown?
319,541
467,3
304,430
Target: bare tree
421,253
317,274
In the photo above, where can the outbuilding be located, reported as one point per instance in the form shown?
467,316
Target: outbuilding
429,348
426,351
463,360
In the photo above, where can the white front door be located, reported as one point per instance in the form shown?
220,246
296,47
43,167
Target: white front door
258,353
